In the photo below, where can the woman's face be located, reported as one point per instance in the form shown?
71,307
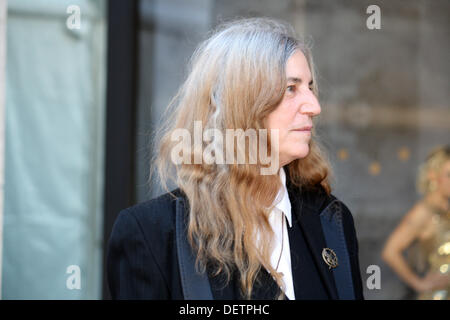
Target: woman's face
293,116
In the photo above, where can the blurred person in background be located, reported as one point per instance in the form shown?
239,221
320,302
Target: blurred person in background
427,224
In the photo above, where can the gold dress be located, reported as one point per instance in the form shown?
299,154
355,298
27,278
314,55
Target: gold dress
436,251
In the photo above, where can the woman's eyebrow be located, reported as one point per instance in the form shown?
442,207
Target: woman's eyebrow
297,80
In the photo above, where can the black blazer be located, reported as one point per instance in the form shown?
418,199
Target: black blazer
142,255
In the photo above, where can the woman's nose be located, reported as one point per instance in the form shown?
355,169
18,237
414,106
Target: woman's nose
310,107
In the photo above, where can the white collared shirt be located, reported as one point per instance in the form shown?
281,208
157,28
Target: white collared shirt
282,205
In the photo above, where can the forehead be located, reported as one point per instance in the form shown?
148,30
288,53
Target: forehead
297,67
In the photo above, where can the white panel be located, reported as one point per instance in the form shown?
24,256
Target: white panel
2,121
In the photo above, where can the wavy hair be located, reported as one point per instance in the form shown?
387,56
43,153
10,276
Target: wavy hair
433,163
236,78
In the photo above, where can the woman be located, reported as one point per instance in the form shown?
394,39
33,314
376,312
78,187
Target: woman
236,228
428,225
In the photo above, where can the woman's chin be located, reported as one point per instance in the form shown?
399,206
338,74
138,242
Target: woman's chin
301,151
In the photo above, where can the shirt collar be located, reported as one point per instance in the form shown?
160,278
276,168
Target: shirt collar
282,201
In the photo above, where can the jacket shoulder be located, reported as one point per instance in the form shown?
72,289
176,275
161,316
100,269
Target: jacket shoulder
338,207
318,199
322,203
155,214
141,252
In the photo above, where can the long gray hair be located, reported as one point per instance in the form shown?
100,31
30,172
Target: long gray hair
237,77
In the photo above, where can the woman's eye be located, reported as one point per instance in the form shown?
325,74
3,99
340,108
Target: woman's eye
290,88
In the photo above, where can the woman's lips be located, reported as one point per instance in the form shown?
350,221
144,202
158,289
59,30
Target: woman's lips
304,129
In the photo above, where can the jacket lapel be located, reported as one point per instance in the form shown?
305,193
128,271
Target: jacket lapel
195,285
204,287
306,207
